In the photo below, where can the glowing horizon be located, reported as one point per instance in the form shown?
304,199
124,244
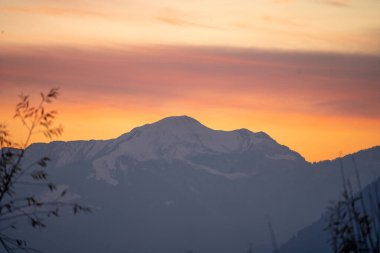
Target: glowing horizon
304,71
308,101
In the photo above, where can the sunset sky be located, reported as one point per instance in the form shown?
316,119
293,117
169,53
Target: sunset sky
307,72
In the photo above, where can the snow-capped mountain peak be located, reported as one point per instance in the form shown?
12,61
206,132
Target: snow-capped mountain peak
178,123
177,137
182,139
185,139
179,126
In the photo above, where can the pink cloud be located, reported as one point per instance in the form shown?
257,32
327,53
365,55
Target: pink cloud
311,83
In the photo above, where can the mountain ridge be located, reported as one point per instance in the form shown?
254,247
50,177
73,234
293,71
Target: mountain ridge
176,125
182,120
180,138
215,196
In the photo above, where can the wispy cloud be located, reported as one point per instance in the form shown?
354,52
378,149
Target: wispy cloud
282,21
54,11
283,1
339,3
176,17
312,83
183,22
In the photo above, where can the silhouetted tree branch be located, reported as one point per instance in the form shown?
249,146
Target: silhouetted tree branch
15,204
354,221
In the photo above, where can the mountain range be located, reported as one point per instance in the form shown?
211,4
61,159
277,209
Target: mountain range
176,185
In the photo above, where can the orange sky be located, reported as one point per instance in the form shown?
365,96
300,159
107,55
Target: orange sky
306,72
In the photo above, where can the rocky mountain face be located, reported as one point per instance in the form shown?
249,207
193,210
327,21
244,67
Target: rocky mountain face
176,185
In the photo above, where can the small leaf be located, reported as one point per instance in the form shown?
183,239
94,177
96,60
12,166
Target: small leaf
52,187
64,192
39,175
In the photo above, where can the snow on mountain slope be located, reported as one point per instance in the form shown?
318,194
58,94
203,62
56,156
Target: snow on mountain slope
181,138
177,137
174,138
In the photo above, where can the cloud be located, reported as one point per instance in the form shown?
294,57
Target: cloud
175,17
339,3
53,11
344,85
183,22
283,1
364,107
282,21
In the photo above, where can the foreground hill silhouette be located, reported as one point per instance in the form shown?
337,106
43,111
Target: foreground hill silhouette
176,185
317,238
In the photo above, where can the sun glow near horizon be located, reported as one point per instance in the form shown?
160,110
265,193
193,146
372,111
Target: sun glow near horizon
315,138
304,71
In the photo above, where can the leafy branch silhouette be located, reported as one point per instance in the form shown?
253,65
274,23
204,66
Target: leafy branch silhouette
16,205
354,221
